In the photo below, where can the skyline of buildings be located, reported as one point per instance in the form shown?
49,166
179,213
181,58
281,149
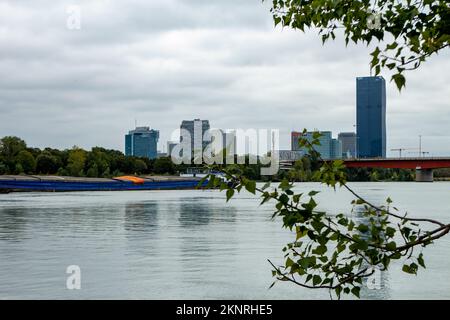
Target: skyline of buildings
143,141
369,141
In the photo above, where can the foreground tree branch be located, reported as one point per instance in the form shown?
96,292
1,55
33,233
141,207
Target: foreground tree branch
335,252
407,32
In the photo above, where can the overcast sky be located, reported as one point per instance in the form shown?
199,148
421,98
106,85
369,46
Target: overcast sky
162,61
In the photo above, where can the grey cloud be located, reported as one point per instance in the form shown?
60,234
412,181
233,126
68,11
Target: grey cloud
164,61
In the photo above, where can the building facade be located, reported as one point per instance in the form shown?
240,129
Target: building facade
329,148
142,142
229,142
335,149
295,136
371,117
290,155
348,141
194,130
170,146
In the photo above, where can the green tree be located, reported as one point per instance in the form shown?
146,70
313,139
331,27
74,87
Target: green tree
27,161
163,165
3,168
407,32
98,160
140,166
92,172
46,163
9,148
374,176
18,169
76,162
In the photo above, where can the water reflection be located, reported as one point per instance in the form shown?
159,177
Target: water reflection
141,216
195,213
182,244
13,223
208,238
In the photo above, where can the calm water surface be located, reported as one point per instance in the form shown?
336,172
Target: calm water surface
185,244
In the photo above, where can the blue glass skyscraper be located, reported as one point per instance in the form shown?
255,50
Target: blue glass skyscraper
371,117
142,142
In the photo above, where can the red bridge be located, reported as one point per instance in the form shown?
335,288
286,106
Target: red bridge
423,166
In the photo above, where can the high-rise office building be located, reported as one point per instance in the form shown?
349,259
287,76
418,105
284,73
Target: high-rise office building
295,136
194,130
229,142
329,148
335,149
142,142
170,146
348,141
371,117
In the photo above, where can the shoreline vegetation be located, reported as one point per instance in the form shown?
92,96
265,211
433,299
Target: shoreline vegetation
16,158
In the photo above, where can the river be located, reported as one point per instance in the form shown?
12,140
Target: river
187,244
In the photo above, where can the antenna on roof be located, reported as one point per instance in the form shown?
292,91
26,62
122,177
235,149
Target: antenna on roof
135,123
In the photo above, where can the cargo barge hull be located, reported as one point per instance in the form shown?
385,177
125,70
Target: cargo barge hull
67,184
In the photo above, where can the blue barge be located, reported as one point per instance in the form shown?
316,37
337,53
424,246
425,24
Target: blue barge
65,184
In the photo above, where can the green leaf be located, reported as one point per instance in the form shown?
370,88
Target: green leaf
202,181
392,46
289,262
391,246
356,291
338,291
296,198
230,193
390,232
421,261
399,80
251,186
276,20
285,185
363,228
320,250
409,269
301,232
284,199
317,280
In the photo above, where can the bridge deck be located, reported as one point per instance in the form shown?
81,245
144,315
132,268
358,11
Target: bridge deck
399,163
395,163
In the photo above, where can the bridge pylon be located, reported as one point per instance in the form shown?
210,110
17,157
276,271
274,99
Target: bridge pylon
424,175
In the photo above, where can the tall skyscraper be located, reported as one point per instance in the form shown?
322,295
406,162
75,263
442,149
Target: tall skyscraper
329,148
371,117
142,142
348,141
194,130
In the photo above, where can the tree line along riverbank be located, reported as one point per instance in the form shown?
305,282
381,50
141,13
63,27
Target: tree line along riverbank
17,158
